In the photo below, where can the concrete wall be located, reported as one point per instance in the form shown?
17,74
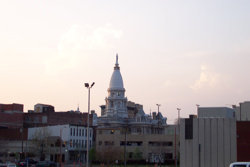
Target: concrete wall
216,112
213,143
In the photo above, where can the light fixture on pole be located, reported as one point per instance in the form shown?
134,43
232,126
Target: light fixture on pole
179,134
179,119
158,118
197,109
88,87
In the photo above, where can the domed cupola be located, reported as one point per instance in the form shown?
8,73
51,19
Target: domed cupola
116,82
116,102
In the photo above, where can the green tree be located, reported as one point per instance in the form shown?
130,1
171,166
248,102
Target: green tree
137,154
92,154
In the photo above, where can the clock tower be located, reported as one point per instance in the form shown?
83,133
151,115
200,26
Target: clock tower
116,102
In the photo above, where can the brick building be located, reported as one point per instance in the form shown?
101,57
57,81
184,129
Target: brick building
243,138
11,115
45,115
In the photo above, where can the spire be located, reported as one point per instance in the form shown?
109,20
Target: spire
78,107
116,63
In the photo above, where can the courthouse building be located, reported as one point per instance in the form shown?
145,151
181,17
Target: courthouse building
124,125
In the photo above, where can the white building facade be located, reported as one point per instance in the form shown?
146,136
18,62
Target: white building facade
73,141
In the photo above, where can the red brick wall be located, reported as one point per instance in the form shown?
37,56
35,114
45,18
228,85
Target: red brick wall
56,118
13,134
243,141
11,120
13,107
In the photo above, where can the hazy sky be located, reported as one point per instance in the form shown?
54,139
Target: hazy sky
174,53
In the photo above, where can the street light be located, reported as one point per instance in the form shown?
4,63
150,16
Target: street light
179,119
197,109
88,87
179,134
61,143
158,118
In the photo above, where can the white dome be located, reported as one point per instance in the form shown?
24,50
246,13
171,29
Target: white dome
116,81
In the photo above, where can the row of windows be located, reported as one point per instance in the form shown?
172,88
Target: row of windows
80,132
106,132
79,143
137,143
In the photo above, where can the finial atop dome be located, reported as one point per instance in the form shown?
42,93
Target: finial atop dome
116,63
116,58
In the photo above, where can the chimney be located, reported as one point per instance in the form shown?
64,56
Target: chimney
154,115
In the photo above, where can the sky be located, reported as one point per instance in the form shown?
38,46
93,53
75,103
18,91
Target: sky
175,53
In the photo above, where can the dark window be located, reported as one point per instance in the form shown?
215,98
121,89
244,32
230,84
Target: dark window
100,143
109,143
189,128
12,155
100,132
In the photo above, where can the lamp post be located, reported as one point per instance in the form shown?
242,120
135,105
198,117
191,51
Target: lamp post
179,119
60,160
179,134
197,109
88,87
158,118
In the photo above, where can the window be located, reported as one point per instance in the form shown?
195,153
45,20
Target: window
27,119
100,132
12,155
44,119
70,142
100,143
36,119
79,132
109,143
70,131
74,132
90,133
155,143
132,143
